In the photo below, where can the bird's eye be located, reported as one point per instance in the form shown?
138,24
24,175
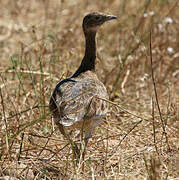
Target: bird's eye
97,17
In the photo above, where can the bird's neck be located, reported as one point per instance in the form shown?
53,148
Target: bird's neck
88,62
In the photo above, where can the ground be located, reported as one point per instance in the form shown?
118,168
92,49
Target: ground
42,42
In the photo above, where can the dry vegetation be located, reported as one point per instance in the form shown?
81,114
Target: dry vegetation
41,43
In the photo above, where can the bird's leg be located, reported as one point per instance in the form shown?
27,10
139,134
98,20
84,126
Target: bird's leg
76,151
88,135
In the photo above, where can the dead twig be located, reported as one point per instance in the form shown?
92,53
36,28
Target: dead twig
24,111
130,130
156,95
20,149
5,120
124,110
153,123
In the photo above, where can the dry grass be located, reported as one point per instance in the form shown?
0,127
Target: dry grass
41,43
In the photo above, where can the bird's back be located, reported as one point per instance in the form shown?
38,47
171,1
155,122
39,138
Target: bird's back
78,99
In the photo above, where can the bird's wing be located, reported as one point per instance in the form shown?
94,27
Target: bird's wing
79,99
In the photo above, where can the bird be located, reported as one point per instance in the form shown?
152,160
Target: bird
77,102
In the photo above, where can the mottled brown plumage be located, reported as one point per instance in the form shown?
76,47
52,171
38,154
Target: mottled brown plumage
75,102
78,100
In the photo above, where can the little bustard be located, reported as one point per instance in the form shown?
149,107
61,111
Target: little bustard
76,102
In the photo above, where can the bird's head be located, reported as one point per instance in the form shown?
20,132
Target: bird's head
93,21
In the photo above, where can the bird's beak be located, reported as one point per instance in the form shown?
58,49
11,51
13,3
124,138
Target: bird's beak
110,17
